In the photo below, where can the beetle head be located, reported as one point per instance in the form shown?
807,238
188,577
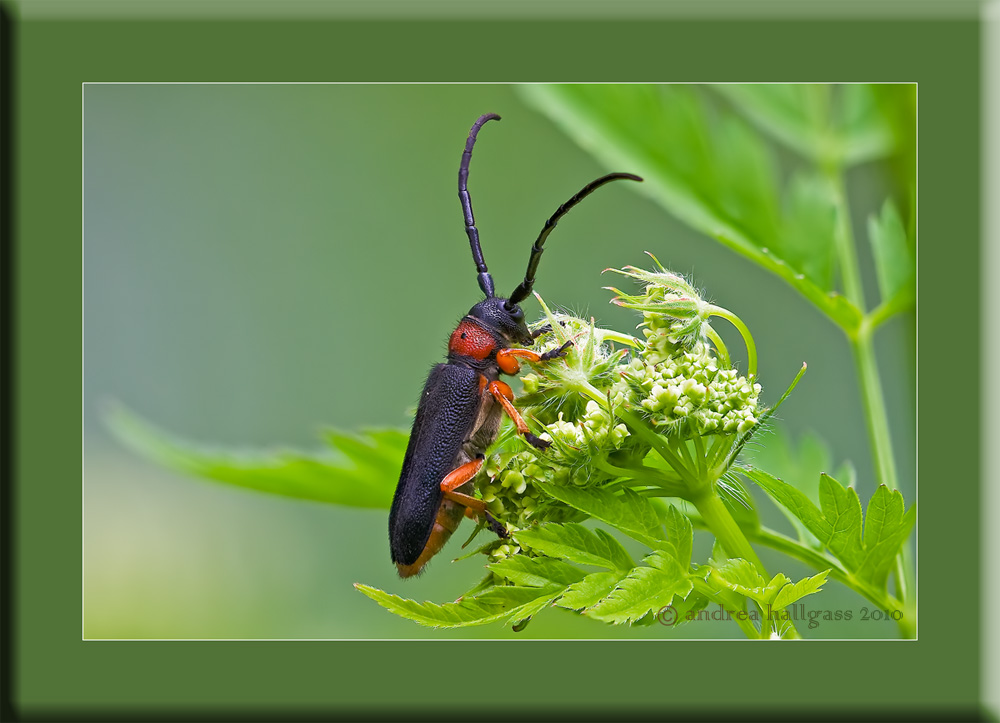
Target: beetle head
501,315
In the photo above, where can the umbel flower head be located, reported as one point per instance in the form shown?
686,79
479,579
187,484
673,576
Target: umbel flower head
679,381
613,398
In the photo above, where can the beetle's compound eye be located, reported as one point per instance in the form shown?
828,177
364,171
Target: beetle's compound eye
515,312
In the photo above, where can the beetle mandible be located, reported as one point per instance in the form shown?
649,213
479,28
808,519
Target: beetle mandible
459,412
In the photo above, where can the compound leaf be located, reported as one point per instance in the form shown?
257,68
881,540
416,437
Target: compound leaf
590,590
575,543
361,470
536,571
496,603
644,590
629,512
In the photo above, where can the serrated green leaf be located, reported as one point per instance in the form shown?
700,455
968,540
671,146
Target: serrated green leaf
792,499
643,591
646,620
709,171
793,592
590,590
526,612
887,526
842,510
515,594
775,585
895,265
686,609
617,555
629,512
740,576
362,472
536,571
575,543
680,536
718,556
485,583
839,525
495,604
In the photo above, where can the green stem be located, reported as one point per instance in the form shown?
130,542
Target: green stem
879,437
874,404
684,454
643,474
717,451
744,332
883,312
718,520
720,346
699,447
843,235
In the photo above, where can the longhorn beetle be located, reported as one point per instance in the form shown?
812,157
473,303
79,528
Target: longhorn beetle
458,416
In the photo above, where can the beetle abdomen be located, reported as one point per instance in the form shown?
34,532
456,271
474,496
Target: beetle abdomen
446,418
448,518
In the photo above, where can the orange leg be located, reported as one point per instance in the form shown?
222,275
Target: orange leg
472,504
503,394
460,476
507,358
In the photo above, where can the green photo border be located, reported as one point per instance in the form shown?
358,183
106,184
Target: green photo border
54,674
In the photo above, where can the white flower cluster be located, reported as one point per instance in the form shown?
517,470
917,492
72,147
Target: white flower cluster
676,380
689,394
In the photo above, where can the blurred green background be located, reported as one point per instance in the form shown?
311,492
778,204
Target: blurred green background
264,260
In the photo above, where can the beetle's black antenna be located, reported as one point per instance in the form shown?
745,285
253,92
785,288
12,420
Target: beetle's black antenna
485,280
522,291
